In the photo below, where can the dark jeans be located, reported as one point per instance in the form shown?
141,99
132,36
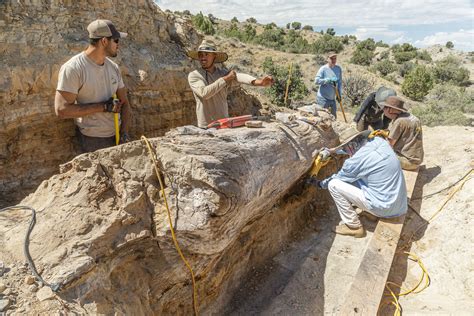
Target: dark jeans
363,124
89,144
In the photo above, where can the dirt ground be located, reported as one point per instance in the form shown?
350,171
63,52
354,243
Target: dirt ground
311,276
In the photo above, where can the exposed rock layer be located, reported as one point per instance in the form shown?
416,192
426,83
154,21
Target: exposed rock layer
37,37
103,227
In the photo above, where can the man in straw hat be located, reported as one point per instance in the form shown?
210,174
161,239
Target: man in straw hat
370,179
370,113
328,78
211,84
86,84
405,133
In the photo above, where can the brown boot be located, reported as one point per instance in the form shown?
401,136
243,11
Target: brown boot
343,229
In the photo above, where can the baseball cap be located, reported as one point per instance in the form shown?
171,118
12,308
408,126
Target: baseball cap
104,28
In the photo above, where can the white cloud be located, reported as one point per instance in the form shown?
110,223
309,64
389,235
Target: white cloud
377,32
343,13
462,39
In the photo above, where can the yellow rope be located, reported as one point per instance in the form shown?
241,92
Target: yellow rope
175,241
456,189
416,289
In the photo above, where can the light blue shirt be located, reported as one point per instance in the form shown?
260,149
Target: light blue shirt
326,90
376,170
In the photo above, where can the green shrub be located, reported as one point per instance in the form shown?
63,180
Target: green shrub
308,28
385,55
385,67
297,89
417,83
449,69
405,68
319,60
403,53
203,23
251,20
296,25
449,45
381,44
327,43
234,20
368,44
446,105
424,55
362,57
330,31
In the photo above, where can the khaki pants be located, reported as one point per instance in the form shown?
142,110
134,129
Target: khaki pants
407,165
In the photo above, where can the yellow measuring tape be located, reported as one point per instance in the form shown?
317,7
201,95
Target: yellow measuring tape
173,235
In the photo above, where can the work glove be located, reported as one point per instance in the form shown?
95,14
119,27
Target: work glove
312,181
112,106
124,138
333,79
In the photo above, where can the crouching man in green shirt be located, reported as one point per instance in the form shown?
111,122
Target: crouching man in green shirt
211,84
406,135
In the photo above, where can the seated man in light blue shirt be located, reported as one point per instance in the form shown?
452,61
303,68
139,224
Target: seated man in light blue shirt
328,78
372,179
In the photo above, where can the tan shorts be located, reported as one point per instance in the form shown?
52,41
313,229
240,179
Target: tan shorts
406,164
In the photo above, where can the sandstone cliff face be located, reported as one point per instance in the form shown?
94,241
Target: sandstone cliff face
102,230
37,37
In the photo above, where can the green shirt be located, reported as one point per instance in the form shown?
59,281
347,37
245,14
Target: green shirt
406,131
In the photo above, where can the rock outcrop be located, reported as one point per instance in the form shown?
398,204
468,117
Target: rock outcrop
102,230
37,37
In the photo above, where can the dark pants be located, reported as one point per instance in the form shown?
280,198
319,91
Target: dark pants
363,124
89,144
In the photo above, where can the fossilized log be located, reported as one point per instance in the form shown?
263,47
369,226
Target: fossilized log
102,230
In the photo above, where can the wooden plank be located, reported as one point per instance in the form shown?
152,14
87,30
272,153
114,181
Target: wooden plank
366,291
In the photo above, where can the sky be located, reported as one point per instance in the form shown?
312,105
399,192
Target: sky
422,23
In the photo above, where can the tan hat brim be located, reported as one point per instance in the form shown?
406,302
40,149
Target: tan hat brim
220,56
383,104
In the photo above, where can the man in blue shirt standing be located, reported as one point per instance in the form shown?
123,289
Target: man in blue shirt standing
329,77
372,179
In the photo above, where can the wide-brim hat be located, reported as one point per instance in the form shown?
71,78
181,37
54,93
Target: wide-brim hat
383,93
395,103
350,134
209,47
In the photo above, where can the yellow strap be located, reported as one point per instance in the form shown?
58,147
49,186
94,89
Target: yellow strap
379,132
317,165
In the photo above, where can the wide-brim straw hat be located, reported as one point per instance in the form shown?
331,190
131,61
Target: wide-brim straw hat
395,103
350,134
209,47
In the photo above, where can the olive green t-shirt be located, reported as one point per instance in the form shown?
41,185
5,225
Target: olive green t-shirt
406,131
93,84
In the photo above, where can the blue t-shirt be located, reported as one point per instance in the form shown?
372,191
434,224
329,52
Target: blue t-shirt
326,90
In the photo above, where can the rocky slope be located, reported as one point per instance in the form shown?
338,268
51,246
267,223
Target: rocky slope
38,37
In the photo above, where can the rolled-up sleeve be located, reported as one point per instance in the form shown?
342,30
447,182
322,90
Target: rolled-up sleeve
203,91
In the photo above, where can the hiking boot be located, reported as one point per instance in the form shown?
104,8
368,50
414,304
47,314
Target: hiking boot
343,229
